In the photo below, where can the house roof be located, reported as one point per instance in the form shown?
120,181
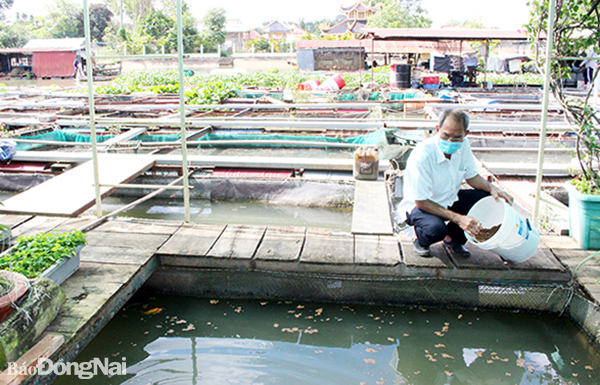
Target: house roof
48,45
360,7
443,34
276,27
386,46
354,26
67,44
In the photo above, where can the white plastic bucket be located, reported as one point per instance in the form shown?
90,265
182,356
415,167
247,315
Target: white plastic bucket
516,240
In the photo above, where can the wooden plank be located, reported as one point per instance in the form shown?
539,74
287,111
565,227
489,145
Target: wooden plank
43,349
573,257
376,250
541,261
14,220
238,241
551,210
36,225
530,169
127,241
139,226
194,240
122,138
371,213
281,244
323,246
558,242
116,255
72,192
479,259
437,259
75,223
209,160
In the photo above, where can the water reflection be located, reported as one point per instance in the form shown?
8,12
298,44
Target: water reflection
201,341
239,213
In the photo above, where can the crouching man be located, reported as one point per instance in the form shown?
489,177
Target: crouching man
433,200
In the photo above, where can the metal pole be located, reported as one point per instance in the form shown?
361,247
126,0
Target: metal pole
90,81
372,56
542,145
186,190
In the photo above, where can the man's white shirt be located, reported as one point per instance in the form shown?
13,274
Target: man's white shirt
430,175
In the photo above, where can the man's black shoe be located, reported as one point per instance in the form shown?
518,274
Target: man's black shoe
456,250
420,250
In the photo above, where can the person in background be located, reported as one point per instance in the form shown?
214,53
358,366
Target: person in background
589,66
76,65
433,199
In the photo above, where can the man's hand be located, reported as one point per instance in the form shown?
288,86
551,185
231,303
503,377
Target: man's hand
470,225
498,193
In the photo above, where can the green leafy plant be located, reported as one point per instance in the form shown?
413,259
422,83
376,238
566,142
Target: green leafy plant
33,254
576,31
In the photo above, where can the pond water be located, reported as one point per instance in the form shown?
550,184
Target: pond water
185,340
231,212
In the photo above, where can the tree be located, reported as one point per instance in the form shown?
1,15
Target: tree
189,32
136,10
214,27
100,17
576,31
399,14
157,26
64,19
5,5
17,34
188,28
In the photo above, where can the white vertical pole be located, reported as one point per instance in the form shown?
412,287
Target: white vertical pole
542,144
90,80
186,190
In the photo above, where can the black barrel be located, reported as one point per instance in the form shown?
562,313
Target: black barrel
403,76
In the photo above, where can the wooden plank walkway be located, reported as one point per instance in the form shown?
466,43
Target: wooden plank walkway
121,138
72,192
371,212
122,254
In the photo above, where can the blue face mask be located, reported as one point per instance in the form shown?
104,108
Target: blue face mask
449,147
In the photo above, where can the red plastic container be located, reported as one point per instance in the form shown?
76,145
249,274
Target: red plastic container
334,83
431,79
309,85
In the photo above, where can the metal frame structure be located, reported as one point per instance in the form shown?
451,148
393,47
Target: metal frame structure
90,80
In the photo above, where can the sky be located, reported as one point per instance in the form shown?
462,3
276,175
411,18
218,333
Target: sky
505,14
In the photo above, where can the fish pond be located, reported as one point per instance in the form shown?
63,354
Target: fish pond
233,212
188,340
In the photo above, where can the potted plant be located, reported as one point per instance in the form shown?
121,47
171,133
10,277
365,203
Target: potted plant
54,255
576,32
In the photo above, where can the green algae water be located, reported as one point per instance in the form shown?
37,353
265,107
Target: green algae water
185,340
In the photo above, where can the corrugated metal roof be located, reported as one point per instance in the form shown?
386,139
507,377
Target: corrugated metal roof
387,46
67,44
443,34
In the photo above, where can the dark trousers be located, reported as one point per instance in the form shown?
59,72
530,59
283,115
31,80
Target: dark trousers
588,75
431,228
